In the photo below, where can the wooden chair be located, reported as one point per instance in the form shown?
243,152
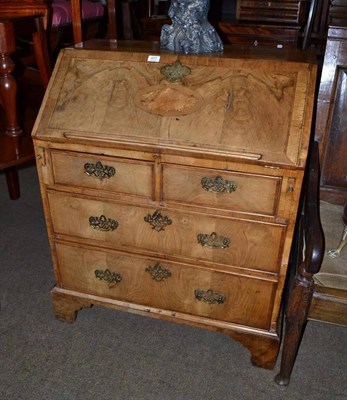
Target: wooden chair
77,20
90,17
308,237
315,292
124,12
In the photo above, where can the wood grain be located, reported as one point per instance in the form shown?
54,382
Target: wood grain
256,105
247,301
253,244
184,185
244,116
130,177
263,345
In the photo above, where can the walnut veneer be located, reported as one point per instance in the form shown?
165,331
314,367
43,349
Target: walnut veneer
171,183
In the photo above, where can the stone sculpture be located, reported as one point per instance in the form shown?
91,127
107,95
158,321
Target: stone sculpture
190,31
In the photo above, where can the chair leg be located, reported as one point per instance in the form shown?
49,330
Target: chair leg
41,52
112,29
12,180
296,316
76,13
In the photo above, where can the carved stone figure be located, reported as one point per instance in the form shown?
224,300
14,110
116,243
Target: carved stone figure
190,31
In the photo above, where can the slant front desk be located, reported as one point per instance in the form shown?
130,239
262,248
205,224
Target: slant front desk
171,184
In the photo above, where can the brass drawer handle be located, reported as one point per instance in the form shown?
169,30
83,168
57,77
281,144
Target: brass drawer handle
208,296
103,224
213,241
158,272
112,278
218,185
158,221
99,170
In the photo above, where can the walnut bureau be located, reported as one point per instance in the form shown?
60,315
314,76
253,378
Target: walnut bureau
171,184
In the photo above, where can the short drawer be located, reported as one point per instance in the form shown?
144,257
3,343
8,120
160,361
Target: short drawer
103,173
166,285
236,191
229,241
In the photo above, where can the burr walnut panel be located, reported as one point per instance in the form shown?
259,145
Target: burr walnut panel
258,108
240,102
228,241
102,173
234,191
236,299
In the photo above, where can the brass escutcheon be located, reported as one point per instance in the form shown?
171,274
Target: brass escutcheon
174,72
158,272
112,278
103,224
213,240
218,185
208,296
99,170
158,221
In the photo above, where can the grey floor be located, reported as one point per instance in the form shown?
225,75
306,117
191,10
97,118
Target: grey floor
108,355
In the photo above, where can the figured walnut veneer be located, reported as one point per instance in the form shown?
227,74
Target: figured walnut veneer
175,199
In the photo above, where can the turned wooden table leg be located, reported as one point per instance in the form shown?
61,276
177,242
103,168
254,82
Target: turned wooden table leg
8,93
8,84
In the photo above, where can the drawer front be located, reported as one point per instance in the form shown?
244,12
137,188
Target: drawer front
90,171
227,241
242,192
170,286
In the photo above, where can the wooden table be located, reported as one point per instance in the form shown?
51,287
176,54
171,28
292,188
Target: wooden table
15,147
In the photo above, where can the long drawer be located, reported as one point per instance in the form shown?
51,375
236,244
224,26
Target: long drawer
229,241
166,285
103,173
236,191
